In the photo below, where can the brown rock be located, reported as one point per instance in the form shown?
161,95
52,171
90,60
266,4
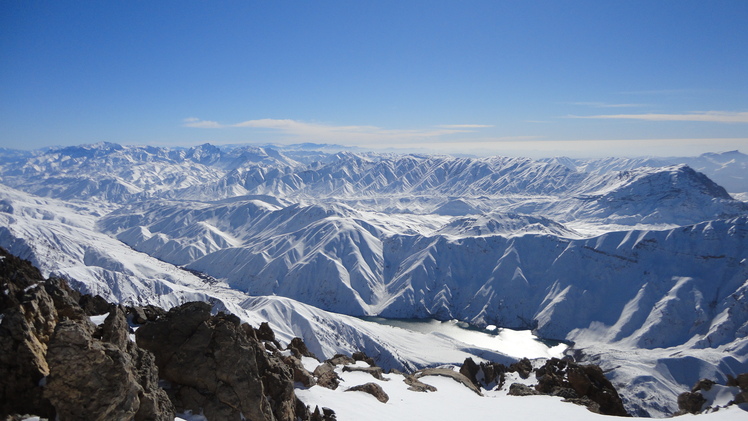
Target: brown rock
416,385
372,389
213,363
519,389
703,384
691,402
340,359
300,373
143,314
374,371
523,367
299,349
588,383
470,369
361,356
742,381
326,376
28,322
493,374
99,380
93,305
445,372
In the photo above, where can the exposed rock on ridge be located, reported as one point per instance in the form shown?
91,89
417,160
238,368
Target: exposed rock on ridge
216,365
54,362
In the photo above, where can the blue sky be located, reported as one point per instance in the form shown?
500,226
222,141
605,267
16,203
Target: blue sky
534,78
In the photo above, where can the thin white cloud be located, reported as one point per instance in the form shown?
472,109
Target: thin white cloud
664,92
465,126
606,105
201,124
703,116
303,131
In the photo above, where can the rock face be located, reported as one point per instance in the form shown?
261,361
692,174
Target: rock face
55,363
107,379
29,319
216,365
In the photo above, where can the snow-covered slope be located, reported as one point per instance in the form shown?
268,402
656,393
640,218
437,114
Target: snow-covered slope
336,259
728,169
57,237
452,400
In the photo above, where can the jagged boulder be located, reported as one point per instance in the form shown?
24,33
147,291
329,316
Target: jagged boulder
522,367
417,385
690,402
326,414
300,373
93,305
372,389
376,372
445,372
519,389
491,374
326,376
215,366
143,314
582,384
340,359
361,356
299,349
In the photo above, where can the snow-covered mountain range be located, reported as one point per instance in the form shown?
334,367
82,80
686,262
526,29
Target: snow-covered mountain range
642,264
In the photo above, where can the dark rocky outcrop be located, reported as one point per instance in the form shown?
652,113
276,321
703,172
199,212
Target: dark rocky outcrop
566,378
93,305
28,322
446,372
372,389
103,379
417,385
376,372
326,376
144,314
299,349
361,356
690,402
694,402
340,359
519,389
491,374
300,373
325,414
522,367
216,365
55,363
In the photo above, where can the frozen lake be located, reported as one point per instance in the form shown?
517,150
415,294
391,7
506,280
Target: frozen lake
515,343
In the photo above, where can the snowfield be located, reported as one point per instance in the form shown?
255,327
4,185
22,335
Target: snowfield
642,265
451,401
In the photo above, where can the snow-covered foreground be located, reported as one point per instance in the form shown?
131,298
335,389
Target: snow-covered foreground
452,401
